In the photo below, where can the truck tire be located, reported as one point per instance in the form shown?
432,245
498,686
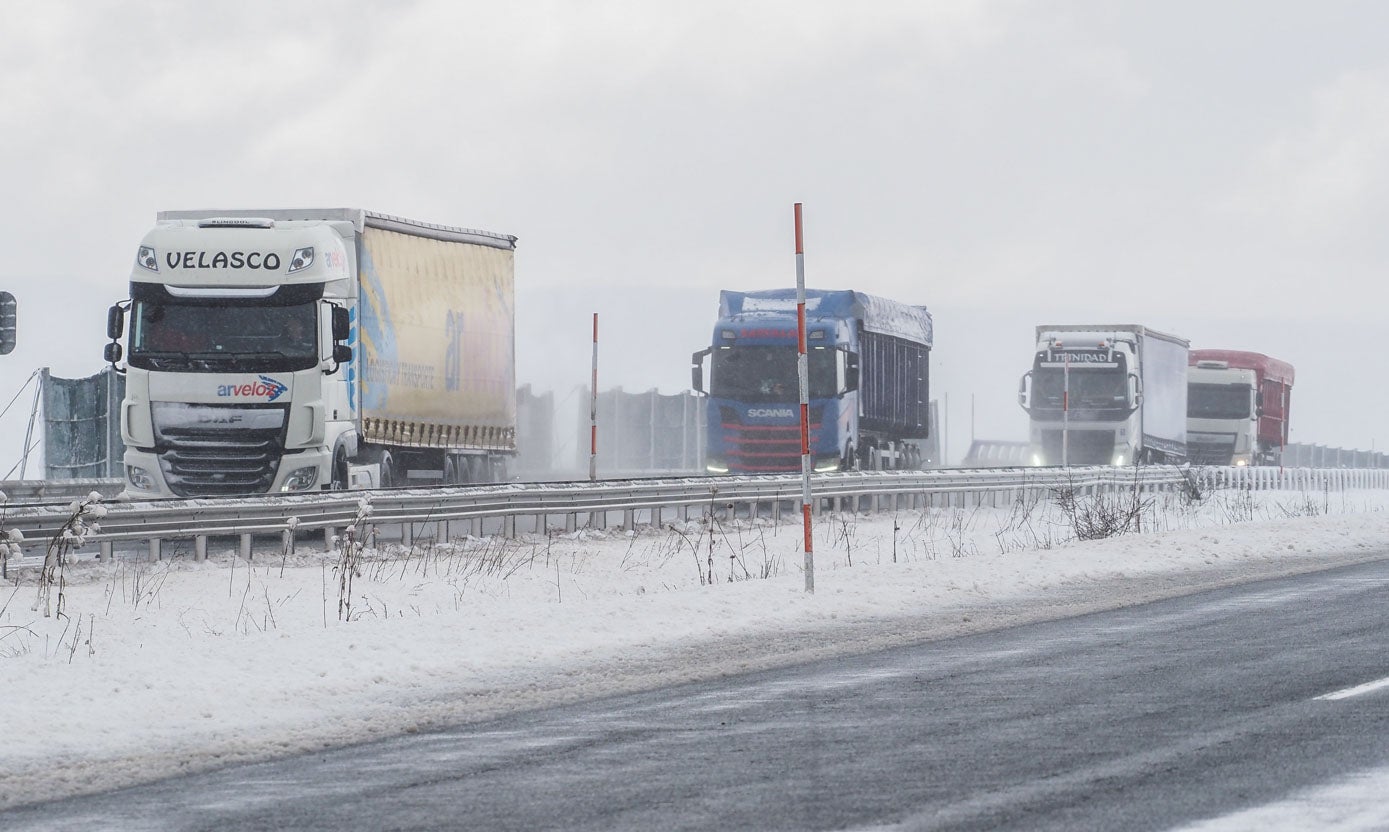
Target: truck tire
867,456
388,472
337,476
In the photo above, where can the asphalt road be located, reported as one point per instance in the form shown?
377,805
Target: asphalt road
1150,717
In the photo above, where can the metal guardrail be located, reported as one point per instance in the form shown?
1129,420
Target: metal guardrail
40,491
446,512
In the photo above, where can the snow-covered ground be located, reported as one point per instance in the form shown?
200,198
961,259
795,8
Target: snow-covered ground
146,669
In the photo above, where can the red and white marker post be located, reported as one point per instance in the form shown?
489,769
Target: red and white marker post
593,409
803,373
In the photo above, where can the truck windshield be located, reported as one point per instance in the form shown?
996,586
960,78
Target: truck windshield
768,373
1102,389
1218,401
236,337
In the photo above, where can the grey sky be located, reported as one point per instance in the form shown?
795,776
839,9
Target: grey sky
1218,170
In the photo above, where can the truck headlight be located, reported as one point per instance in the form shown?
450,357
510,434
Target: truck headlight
139,478
147,258
1119,460
301,478
1240,463
715,466
302,259
828,463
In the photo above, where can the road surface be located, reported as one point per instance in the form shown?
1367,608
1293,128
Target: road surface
1264,698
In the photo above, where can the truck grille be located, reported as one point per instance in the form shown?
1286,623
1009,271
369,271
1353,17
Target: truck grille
219,450
1210,448
1083,447
765,449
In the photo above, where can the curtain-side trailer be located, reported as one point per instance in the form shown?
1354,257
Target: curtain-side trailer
291,350
1106,394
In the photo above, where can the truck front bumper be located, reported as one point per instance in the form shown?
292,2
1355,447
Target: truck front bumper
307,470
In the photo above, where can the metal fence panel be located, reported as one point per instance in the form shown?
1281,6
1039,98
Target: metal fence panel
82,425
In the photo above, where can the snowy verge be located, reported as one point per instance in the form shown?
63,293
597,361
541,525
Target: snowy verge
156,669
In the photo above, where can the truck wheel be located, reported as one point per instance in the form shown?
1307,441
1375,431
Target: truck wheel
388,472
867,457
338,476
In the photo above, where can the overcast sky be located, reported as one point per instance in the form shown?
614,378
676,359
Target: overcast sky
1217,170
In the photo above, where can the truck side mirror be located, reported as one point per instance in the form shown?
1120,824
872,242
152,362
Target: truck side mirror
112,353
1135,391
851,378
342,353
115,322
697,370
1025,390
342,328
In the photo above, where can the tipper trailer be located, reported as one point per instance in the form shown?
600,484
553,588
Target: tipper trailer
868,368
1237,407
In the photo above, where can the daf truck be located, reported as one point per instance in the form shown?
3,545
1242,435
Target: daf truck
271,351
1112,394
868,366
1237,407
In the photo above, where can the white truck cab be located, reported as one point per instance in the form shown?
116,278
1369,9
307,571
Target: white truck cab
1222,414
238,335
1106,395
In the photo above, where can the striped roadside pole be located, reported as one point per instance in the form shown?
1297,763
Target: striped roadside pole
593,409
803,374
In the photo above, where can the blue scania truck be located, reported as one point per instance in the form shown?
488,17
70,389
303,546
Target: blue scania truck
867,362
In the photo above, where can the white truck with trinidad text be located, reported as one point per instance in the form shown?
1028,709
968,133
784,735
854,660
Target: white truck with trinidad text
296,350
1106,394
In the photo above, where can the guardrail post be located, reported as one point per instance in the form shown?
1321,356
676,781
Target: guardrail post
155,553
246,546
407,534
571,522
509,526
106,550
200,547
328,534
629,519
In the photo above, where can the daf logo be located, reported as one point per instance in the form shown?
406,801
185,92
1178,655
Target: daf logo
771,412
